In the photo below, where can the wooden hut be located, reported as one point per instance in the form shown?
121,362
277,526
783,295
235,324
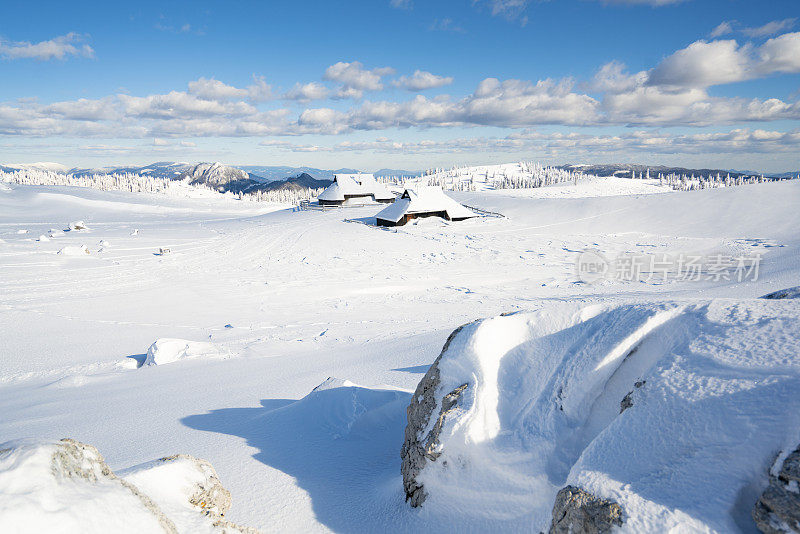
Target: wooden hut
354,189
422,202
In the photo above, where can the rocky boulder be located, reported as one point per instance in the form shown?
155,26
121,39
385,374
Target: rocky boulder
421,444
778,509
66,486
577,511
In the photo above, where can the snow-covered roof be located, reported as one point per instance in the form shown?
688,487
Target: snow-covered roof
355,185
424,199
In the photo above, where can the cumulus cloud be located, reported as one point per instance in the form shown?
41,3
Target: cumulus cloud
306,92
703,64
675,93
613,78
212,89
779,54
71,44
355,79
422,80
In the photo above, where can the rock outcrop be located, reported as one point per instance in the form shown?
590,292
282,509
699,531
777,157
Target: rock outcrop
778,509
788,293
576,511
177,494
419,446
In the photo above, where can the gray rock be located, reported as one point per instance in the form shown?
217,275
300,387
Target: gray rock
778,509
418,449
627,400
576,511
788,293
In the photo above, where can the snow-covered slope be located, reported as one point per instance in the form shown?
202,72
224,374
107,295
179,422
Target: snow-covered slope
674,410
296,297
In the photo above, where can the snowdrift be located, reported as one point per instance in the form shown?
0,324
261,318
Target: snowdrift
66,486
654,416
169,350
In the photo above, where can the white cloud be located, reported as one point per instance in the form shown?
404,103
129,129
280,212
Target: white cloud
770,28
259,90
574,144
780,54
446,25
703,64
422,80
510,9
306,92
724,28
401,4
612,78
56,48
212,89
654,3
84,109
675,93
177,104
355,79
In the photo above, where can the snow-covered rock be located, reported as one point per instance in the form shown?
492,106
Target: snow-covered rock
74,250
518,407
182,486
788,293
78,225
169,350
778,509
216,175
66,486
422,432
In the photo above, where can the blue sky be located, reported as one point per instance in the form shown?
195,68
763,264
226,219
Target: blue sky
402,83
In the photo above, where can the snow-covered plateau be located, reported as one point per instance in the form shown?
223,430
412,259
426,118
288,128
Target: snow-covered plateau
316,362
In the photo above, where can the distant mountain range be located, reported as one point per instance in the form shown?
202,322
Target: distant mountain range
242,178
250,178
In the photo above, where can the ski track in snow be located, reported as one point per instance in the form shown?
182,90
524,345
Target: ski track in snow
308,296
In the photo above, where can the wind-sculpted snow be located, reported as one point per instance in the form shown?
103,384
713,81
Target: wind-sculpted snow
165,350
713,392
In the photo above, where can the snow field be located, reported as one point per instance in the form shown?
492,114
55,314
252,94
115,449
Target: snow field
296,298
